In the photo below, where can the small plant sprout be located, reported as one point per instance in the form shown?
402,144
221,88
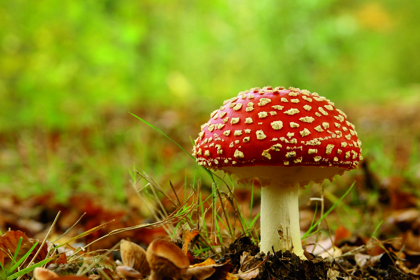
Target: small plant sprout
286,138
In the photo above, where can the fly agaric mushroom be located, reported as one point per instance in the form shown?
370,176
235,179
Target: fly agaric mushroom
286,138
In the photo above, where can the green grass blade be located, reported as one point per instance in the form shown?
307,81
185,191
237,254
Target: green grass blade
214,205
173,141
28,269
175,230
17,251
23,258
326,213
219,235
221,220
3,272
312,233
164,134
252,197
377,227
313,218
251,225
133,174
201,205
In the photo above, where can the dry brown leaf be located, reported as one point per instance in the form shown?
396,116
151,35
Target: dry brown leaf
231,276
73,277
332,274
134,256
416,271
62,259
251,274
188,236
400,199
321,246
340,234
208,261
333,252
222,271
362,260
409,215
401,265
128,272
166,260
245,261
412,241
208,269
200,272
9,242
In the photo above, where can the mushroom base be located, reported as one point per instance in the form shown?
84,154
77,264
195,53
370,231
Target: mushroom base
280,228
284,176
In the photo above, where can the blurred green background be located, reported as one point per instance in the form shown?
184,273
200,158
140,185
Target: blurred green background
70,71
64,63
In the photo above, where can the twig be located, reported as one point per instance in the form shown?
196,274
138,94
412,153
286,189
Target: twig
168,219
176,195
89,267
345,271
45,238
272,248
78,220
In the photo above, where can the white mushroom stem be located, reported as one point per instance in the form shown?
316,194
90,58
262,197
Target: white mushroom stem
280,226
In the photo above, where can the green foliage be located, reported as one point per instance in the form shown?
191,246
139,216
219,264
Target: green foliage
66,63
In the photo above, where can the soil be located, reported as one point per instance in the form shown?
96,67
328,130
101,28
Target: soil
288,266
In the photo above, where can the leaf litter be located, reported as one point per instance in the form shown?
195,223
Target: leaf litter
213,234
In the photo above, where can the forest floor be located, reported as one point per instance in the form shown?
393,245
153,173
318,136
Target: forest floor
373,233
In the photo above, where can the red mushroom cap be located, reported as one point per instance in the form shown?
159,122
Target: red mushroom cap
278,127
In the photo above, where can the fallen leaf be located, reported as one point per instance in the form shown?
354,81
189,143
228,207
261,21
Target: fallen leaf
128,272
9,242
134,256
208,269
251,274
166,260
399,199
340,234
412,241
62,259
222,271
362,260
188,236
415,271
332,274
200,272
231,276
333,252
73,277
245,261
